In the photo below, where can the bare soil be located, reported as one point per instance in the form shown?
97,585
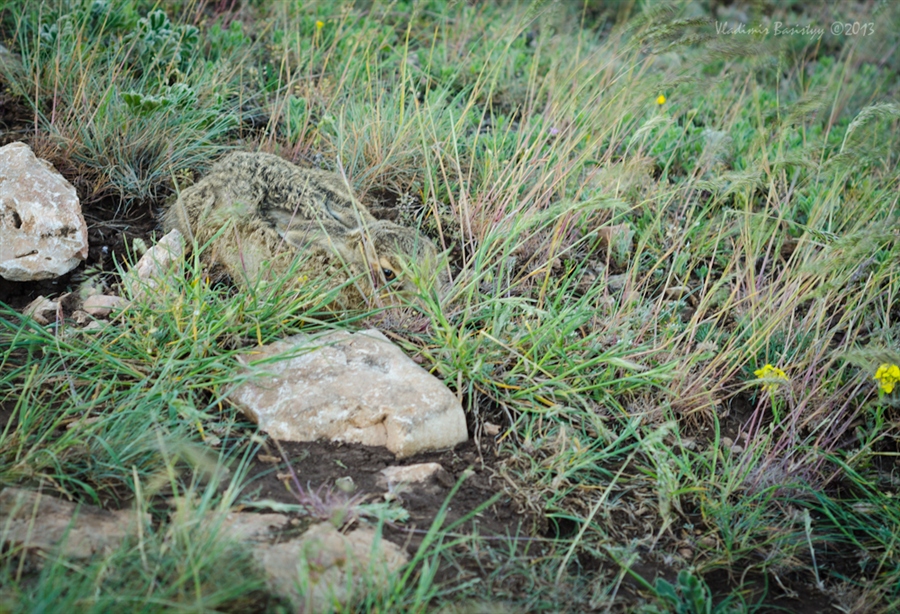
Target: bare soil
320,465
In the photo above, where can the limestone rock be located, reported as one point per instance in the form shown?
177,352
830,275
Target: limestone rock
153,265
42,231
329,566
357,388
34,521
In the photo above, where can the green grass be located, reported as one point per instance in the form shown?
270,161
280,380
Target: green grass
621,269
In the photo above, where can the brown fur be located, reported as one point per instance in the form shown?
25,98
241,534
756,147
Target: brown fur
258,213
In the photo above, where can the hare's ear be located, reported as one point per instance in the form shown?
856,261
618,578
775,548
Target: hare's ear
283,220
355,237
355,246
305,237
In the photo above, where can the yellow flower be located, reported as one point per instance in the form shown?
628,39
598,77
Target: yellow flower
887,376
772,375
661,100
319,24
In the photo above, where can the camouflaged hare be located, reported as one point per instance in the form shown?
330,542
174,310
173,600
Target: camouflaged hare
261,212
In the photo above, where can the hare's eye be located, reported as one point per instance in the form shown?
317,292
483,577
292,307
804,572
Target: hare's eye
389,275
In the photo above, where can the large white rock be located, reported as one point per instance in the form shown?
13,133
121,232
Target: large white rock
357,388
42,231
34,521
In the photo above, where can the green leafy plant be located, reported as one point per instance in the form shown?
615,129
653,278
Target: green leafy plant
691,595
162,46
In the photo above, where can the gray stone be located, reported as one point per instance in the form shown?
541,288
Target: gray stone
357,388
35,521
42,232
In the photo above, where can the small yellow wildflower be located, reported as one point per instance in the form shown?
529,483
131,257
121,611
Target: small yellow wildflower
319,24
661,100
773,376
887,376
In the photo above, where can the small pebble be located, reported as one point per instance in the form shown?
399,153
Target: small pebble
345,484
100,305
491,429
